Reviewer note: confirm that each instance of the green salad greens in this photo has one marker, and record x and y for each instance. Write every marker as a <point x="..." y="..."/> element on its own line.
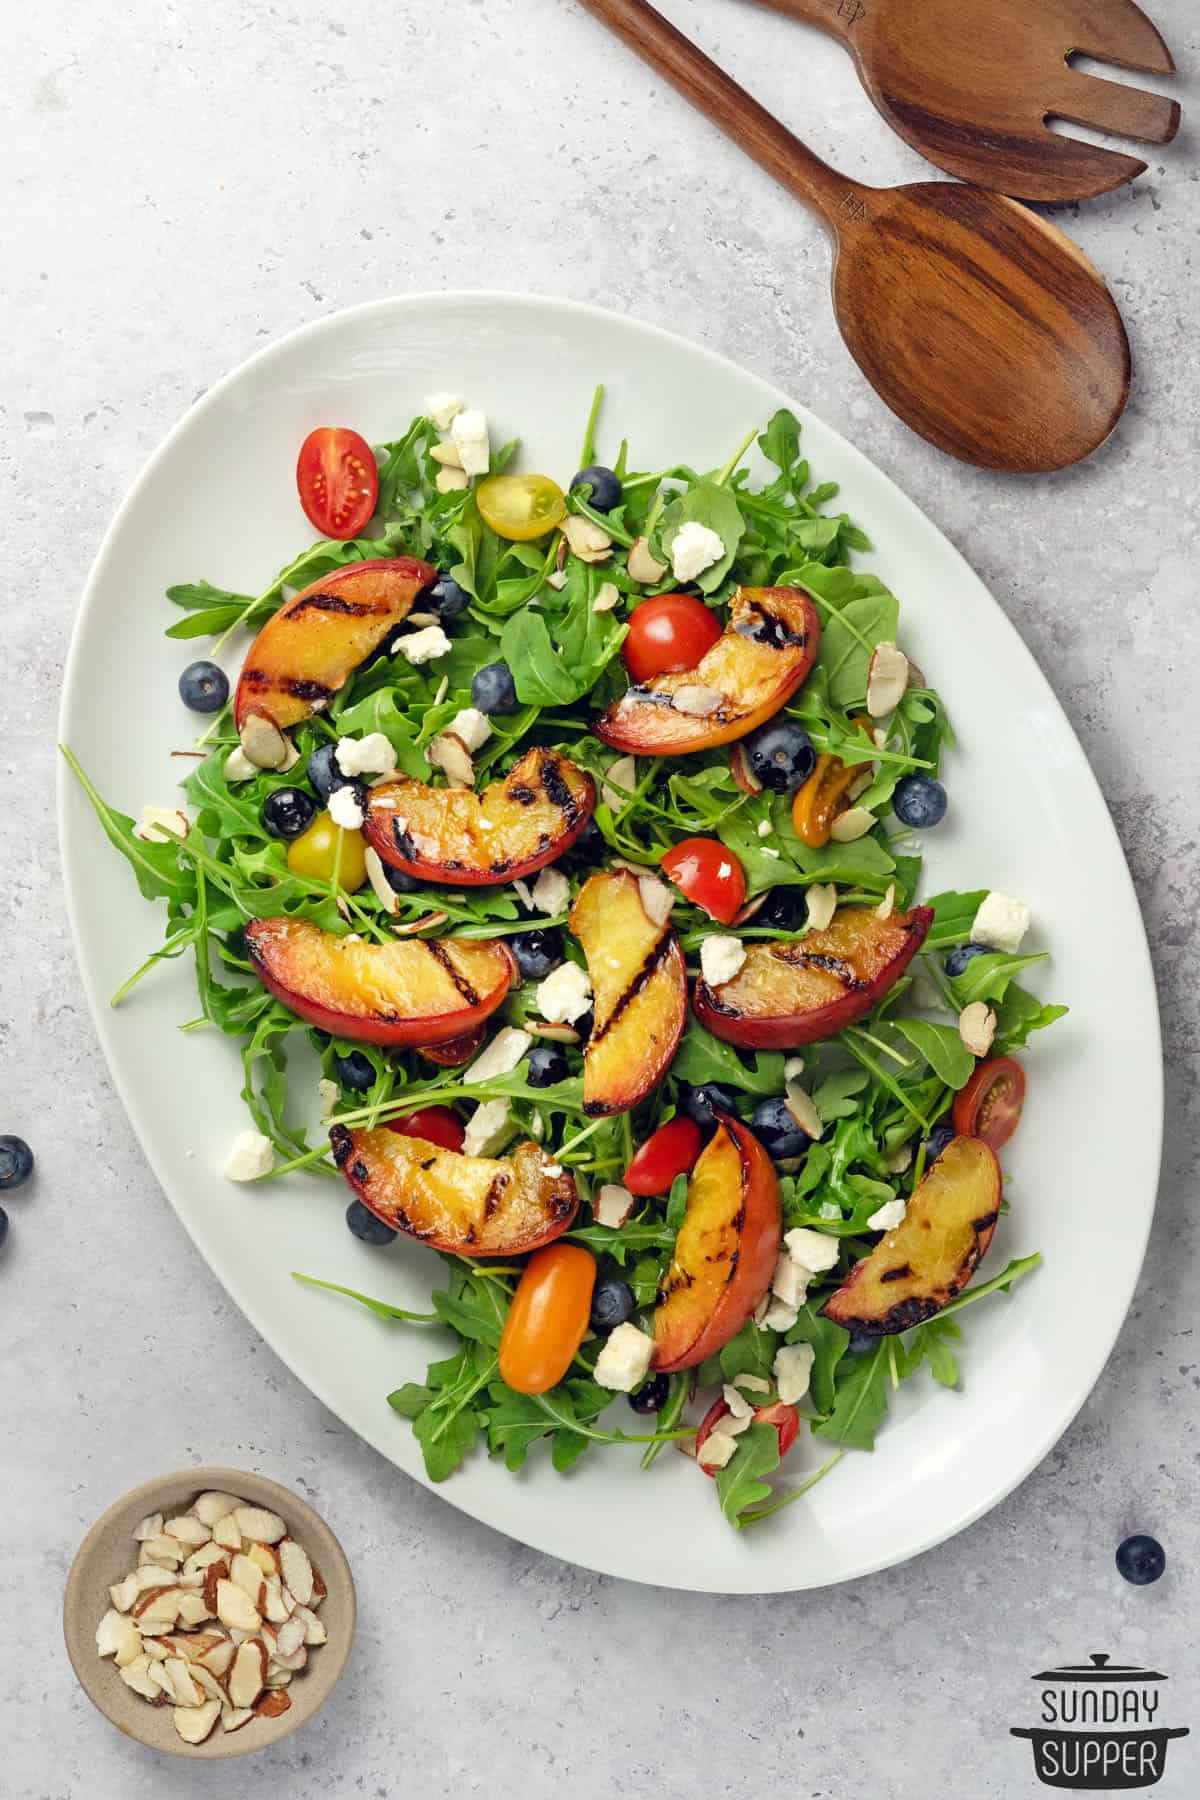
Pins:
<point x="880" y="1087"/>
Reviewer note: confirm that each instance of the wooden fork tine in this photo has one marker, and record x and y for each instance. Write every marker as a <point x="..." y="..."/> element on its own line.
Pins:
<point x="1111" y="106"/>
<point x="1117" y="32"/>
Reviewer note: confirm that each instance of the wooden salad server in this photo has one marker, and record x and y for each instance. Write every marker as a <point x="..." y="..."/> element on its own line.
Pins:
<point x="978" y="323"/>
<point x="971" y="84"/>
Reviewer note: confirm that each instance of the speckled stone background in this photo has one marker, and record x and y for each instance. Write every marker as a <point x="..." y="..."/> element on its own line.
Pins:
<point x="182" y="183"/>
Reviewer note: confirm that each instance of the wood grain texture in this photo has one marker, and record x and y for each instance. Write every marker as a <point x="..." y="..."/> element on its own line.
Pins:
<point x="977" y="322"/>
<point x="971" y="84"/>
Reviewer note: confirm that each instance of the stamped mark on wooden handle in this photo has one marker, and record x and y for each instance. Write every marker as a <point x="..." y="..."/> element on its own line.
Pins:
<point x="851" y="11"/>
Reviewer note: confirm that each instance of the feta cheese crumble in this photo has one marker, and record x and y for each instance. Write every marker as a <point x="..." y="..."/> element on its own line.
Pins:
<point x="500" y="1057"/>
<point x="565" y="995"/>
<point x="695" y="548"/>
<point x="720" y="958"/>
<point x="888" y="1216"/>
<point x="1001" y="923"/>
<point x="327" y="1094"/>
<point x="442" y="409"/>
<point x="813" y="1250"/>
<point x="370" y="755"/>
<point x="624" y="1362"/>
<point x="488" y="1129"/>
<point x="792" y="1370"/>
<point x="550" y="892"/>
<point x="422" y="646"/>
<point x="469" y="435"/>
<point x="250" y="1155"/>
<point x="344" y="809"/>
<point x="472" y="726"/>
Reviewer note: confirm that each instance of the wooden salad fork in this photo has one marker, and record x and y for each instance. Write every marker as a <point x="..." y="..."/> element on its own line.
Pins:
<point x="978" y="323"/>
<point x="971" y="84"/>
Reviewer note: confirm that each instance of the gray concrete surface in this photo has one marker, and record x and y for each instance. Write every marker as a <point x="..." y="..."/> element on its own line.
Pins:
<point x="182" y="183"/>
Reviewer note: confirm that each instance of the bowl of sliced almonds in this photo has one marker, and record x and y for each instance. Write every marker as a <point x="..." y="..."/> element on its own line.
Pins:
<point x="209" y="1613"/>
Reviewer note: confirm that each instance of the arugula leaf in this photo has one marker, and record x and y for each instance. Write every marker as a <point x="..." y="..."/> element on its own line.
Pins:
<point x="381" y="1308"/>
<point x="860" y="1399"/>
<point x="740" y="1484"/>
<point x="953" y="917"/>
<point x="702" y="1057"/>
<point x="988" y="977"/>
<point x="941" y="1047"/>
<point x="705" y="503"/>
<point x="1017" y="1015"/>
<point x="930" y="1344"/>
<point x="829" y="1343"/>
<point x="474" y="1306"/>
<point x="857" y="612"/>
<point x="158" y="868"/>
<point x="751" y="1352"/>
<point x="444" y="1412"/>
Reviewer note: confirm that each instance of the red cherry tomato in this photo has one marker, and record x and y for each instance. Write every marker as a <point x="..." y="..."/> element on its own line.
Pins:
<point x="338" y="480"/>
<point x="548" y="1317"/>
<point x="436" y="1124"/>
<point x="709" y="875"/>
<point x="666" y="1153"/>
<point x="668" y="633"/>
<point x="989" y="1107"/>
<point x="785" y="1419"/>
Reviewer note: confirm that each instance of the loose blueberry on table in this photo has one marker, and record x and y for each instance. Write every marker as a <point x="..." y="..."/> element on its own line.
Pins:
<point x="919" y="801"/>
<point x="365" y="1226"/>
<point x="16" y="1161"/>
<point x="1141" y="1559"/>
<point x="203" y="687"/>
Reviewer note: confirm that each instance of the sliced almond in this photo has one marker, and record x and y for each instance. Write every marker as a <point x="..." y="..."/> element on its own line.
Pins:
<point x="451" y="481"/>
<point x="319" y="1588"/>
<point x="193" y="1609"/>
<point x="862" y="781"/>
<point x="800" y="1104"/>
<point x="698" y="701"/>
<point x="188" y="1529"/>
<point x="820" y="904"/>
<point x="213" y="1505"/>
<point x="977" y="1027"/>
<point x="167" y="1552"/>
<point x="887" y="679"/>
<point x="214" y="1574"/>
<point x="446" y="454"/>
<point x="751" y="908"/>
<point x="204" y="1557"/>
<point x="643" y="566"/>
<point x="587" y="540"/>
<point x="218" y="1657"/>
<point x="887" y="904"/>
<point x="192" y="1645"/>
<point x="612" y="1205"/>
<point x="293" y="1663"/>
<point x="149" y="1527"/>
<point x="209" y="1683"/>
<point x="427" y="922"/>
<point x="743" y="774"/>
<point x="118" y="1636"/>
<point x="235" y="1608"/>
<point x="608" y="597"/>
<point x="249" y="1577"/>
<point x="157" y="1649"/>
<point x="272" y="1704"/>
<point x="263" y="743"/>
<point x="558" y="1034"/>
<point x="159" y="1679"/>
<point x="234" y="1717"/>
<point x="657" y="898"/>
<point x="159" y="1606"/>
<point x="266" y="1556"/>
<point x="137" y="1676"/>
<point x="278" y="1678"/>
<point x="152" y="1575"/>
<point x="619" y="783"/>
<point x="184" y="1686"/>
<point x="247" y="1673"/>
<point x="381" y="887"/>
<point x="854" y="823"/>
<point x="296" y="1570"/>
<point x="193" y="1723"/>
<point x="314" y="1631"/>
<point x="275" y="1607"/>
<point x="290" y="1638"/>
<point x="916" y="675"/>
<point x="227" y="1532"/>
<point x="124" y="1593"/>
<point x="448" y="752"/>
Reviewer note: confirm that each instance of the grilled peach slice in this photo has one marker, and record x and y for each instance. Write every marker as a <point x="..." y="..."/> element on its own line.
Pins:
<point x="916" y="1269"/>
<point x="726" y="1251"/>
<point x="465" y="1205"/>
<point x="789" y="994"/>
<point x="464" y="839"/>
<point x="308" y="649"/>
<point x="767" y="648"/>
<point x="639" y="989"/>
<point x="416" y="991"/>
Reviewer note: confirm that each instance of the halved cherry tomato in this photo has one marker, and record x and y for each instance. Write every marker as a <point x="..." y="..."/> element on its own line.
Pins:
<point x="709" y="875"/>
<point x="436" y="1124"/>
<point x="547" y="1318"/>
<point x="520" y="507"/>
<point x="785" y="1419"/>
<point x="338" y="480"/>
<point x="668" y="633"/>
<point x="666" y="1153"/>
<point x="989" y="1107"/>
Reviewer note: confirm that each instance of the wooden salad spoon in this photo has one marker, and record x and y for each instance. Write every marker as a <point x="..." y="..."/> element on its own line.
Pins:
<point x="971" y="84"/>
<point x="978" y="323"/>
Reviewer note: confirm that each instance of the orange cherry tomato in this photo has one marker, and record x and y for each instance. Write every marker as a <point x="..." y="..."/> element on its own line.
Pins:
<point x="338" y="481"/>
<point x="989" y="1107"/>
<point x="666" y="1153"/>
<point x="547" y="1318"/>
<point x="436" y="1124"/>
<point x="666" y="634"/>
<point x="709" y="875"/>
<point x="785" y="1419"/>
<point x="818" y="801"/>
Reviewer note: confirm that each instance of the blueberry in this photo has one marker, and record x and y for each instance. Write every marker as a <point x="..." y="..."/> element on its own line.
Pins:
<point x="937" y="1140"/>
<point x="781" y="755"/>
<point x="537" y="952"/>
<point x="861" y="1341"/>
<point x="589" y="845"/>
<point x="3" y="1226"/>
<point x="777" y="1131"/>
<point x="446" y="599"/>
<point x="493" y="689"/>
<point x="651" y="1397"/>
<point x="545" y="1065"/>
<point x="356" y="1071"/>
<point x="584" y="1024"/>
<point x="783" y="910"/>
<point x="612" y="1304"/>
<point x="606" y="487"/>
<point x="698" y="1102"/>
<point x="204" y="687"/>
<point x="962" y="954"/>
<point x="16" y="1162"/>
<point x="1141" y="1559"/>
<point x="399" y="880"/>
<point x="288" y="811"/>
<point x="365" y="1226"/>
<point x="323" y="771"/>
<point x="919" y="801"/>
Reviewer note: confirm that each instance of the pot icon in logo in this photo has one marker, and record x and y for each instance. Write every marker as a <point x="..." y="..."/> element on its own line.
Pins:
<point x="1099" y="1728"/>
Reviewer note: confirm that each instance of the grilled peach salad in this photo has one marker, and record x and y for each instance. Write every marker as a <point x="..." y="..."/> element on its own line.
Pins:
<point x="576" y="828"/>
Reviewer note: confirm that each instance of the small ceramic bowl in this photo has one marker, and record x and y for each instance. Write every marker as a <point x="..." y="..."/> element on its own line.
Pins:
<point x="108" y="1553"/>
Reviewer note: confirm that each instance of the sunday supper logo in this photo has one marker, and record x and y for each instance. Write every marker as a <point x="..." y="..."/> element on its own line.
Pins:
<point x="1100" y="1728"/>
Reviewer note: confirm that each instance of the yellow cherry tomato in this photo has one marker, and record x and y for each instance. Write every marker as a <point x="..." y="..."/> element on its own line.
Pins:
<point x="547" y="1318"/>
<point x="315" y="851"/>
<point x="520" y="507"/>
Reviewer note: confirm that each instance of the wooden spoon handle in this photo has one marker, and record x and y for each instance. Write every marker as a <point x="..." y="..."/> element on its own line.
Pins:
<point x="833" y="197"/>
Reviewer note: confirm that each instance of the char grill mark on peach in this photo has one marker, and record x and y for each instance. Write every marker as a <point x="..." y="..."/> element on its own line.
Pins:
<point x="441" y="955"/>
<point x="661" y="950"/>
<point x="334" y="603"/>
